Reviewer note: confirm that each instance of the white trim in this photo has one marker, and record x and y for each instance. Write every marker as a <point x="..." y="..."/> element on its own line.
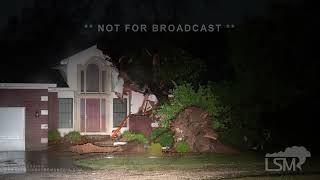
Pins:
<point x="44" y="126"/>
<point x="44" y="98"/>
<point x="26" y="86"/>
<point x="44" y="112"/>
<point x="93" y="49"/>
<point x="94" y="133"/>
<point x="44" y="140"/>
<point x="57" y="89"/>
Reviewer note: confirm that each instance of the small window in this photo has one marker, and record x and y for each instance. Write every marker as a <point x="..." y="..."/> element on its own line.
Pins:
<point x="119" y="111"/>
<point x="92" y="78"/>
<point x="82" y="107"/>
<point x="65" y="113"/>
<point x="103" y="83"/>
<point x="82" y="81"/>
<point x="103" y="107"/>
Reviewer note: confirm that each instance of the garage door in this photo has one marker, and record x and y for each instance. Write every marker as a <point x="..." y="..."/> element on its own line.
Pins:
<point x="12" y="123"/>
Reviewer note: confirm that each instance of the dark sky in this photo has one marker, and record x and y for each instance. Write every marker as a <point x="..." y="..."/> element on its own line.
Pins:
<point x="215" y="10"/>
<point x="56" y="41"/>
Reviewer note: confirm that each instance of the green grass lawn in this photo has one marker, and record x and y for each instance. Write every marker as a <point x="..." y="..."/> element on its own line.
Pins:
<point x="250" y="164"/>
<point x="204" y="161"/>
<point x="212" y="160"/>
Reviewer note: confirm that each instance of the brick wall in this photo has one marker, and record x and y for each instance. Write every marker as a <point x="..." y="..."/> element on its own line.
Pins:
<point x="140" y="124"/>
<point x="53" y="110"/>
<point x="31" y="100"/>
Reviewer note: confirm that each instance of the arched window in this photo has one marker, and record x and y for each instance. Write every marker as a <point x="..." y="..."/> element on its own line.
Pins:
<point x="92" y="78"/>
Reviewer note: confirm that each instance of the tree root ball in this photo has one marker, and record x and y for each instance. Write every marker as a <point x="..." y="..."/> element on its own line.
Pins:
<point x="194" y="126"/>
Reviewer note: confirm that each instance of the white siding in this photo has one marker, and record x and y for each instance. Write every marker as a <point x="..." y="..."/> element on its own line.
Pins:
<point x="80" y="58"/>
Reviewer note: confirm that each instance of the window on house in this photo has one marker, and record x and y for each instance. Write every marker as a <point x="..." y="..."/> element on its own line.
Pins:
<point x="103" y="79"/>
<point x="82" y="81"/>
<point x="103" y="115"/>
<point x="65" y="113"/>
<point x="92" y="78"/>
<point x="119" y="111"/>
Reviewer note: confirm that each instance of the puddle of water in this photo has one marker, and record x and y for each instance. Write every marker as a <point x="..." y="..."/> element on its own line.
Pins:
<point x="22" y="162"/>
<point x="49" y="159"/>
<point x="12" y="162"/>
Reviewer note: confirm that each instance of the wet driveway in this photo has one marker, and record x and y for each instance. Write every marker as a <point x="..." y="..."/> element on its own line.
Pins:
<point x="28" y="161"/>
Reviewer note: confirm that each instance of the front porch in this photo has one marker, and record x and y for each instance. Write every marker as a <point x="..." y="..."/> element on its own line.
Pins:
<point x="100" y="114"/>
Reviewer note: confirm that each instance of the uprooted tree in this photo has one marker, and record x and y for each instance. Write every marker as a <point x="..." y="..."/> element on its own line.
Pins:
<point x="186" y="96"/>
<point x="193" y="116"/>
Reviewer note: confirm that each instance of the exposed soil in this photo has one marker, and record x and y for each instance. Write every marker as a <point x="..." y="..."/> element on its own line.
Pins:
<point x="194" y="126"/>
<point x="107" y="147"/>
<point x="90" y="148"/>
<point x="106" y="143"/>
<point x="84" y="140"/>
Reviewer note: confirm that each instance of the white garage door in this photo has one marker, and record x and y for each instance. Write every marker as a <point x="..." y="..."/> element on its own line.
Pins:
<point x="12" y="123"/>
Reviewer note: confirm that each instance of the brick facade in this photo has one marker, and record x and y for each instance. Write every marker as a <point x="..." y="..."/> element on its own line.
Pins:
<point x="31" y="100"/>
<point x="53" y="110"/>
<point x="140" y="124"/>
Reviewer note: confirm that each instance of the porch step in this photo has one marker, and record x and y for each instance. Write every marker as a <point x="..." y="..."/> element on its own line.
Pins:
<point x="97" y="138"/>
<point x="106" y="143"/>
<point x="109" y="143"/>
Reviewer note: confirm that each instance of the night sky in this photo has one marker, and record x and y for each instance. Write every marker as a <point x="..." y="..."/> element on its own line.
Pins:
<point x="216" y="11"/>
<point x="45" y="32"/>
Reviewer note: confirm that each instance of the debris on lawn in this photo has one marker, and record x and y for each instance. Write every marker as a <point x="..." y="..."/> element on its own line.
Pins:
<point x="90" y="148"/>
<point x="194" y="126"/>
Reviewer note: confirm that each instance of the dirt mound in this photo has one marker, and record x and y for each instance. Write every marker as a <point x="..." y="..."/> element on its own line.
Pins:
<point x="90" y="148"/>
<point x="194" y="126"/>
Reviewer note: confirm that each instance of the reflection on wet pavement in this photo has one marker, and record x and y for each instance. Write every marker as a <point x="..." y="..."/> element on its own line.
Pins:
<point x="49" y="160"/>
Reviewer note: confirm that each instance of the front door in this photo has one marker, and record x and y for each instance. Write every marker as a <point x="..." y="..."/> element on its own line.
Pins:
<point x="93" y="122"/>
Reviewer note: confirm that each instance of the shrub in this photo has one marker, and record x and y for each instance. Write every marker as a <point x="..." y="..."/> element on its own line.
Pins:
<point x="54" y="135"/>
<point x="130" y="136"/>
<point x="155" y="149"/>
<point x="156" y="132"/>
<point x="72" y="137"/>
<point x="162" y="136"/>
<point x="182" y="147"/>
<point x="186" y="96"/>
<point x="166" y="139"/>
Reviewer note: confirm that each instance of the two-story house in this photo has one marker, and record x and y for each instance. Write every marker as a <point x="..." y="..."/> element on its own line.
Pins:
<point x="89" y="104"/>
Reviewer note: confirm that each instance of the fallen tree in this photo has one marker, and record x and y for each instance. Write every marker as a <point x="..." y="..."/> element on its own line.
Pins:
<point x="194" y="126"/>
